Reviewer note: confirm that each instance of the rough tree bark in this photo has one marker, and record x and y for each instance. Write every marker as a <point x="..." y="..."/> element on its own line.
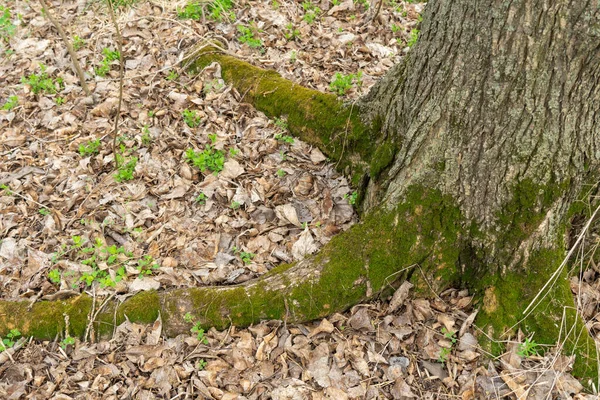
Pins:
<point x="471" y="157"/>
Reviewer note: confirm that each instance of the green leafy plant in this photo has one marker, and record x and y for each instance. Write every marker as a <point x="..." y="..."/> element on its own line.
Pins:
<point x="281" y="173"/>
<point x="7" y="28"/>
<point x="311" y="12"/>
<point x="293" y="56"/>
<point x="40" y="83"/>
<point x="275" y="4"/>
<point x="213" y="85"/>
<point x="291" y="33"/>
<point x="173" y="75"/>
<point x="233" y="152"/>
<point x="201" y="364"/>
<point x="284" y="138"/>
<point x="78" y="42"/>
<point x="146" y="266"/>
<point x="60" y="100"/>
<point x="342" y="83"/>
<point x="364" y="3"/>
<point x="528" y="348"/>
<point x="11" y="103"/>
<point x="191" y="118"/>
<point x="192" y="10"/>
<point x="54" y="276"/>
<point x="68" y="341"/>
<point x="450" y="335"/>
<point x="9" y="340"/>
<point x="245" y="256"/>
<point x="444" y="353"/>
<point x="151" y="114"/>
<point x="5" y="189"/>
<point x="89" y="148"/>
<point x="109" y="57"/>
<point x="201" y="199"/>
<point x="247" y="36"/>
<point x="208" y="159"/>
<point x="146" y="138"/>
<point x="126" y="168"/>
<point x="44" y="211"/>
<point x="351" y="198"/>
<point x="234" y="205"/>
<point x="196" y="329"/>
<point x="281" y="123"/>
<point x="396" y="28"/>
<point x="221" y="10"/>
<point x="412" y="39"/>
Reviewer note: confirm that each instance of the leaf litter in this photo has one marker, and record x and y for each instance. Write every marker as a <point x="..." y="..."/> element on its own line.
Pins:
<point x="246" y="198"/>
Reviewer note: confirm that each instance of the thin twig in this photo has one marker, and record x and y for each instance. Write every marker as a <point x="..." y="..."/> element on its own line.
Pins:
<point x="63" y="35"/>
<point x="121" y="78"/>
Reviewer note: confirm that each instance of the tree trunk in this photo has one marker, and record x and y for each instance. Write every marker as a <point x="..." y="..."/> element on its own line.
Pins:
<point x="471" y="157"/>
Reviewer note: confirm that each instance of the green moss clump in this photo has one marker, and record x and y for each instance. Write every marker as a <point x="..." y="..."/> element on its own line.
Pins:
<point x="383" y="157"/>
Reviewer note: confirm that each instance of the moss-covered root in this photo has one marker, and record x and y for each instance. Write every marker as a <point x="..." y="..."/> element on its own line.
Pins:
<point x="353" y="267"/>
<point x="315" y="117"/>
<point x="554" y="320"/>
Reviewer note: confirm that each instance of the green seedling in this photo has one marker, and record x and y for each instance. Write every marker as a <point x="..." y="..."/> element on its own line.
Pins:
<point x="281" y="123"/>
<point x="60" y="100"/>
<point x="7" y="28"/>
<point x="68" y="341"/>
<point x="342" y="83"/>
<point x="192" y="10"/>
<point x="414" y="36"/>
<point x="444" y="353"/>
<point x="291" y="33"/>
<point x="151" y="114"/>
<point x="78" y="43"/>
<point x="528" y="348"/>
<point x="209" y="159"/>
<point x="212" y="137"/>
<point x="221" y="10"/>
<point x="201" y="364"/>
<point x="146" y="266"/>
<point x="9" y="340"/>
<point x="196" y="329"/>
<point x="54" y="276"/>
<point x="173" y="76"/>
<point x="245" y="256"/>
<point x="191" y="118"/>
<point x="351" y="198"/>
<point x="450" y="335"/>
<point x="11" y="103"/>
<point x="146" y="138"/>
<point x="109" y="57"/>
<point x="275" y="5"/>
<point x="44" y="211"/>
<point x="89" y="148"/>
<point x="281" y="173"/>
<point x="311" y="12"/>
<point x="293" y="57"/>
<point x="284" y="138"/>
<point x="213" y="85"/>
<point x="234" y="205"/>
<point x="233" y="152"/>
<point x="201" y="199"/>
<point x="5" y="189"/>
<point x="364" y="3"/>
<point x="126" y="168"/>
<point x="247" y="36"/>
<point x="40" y="83"/>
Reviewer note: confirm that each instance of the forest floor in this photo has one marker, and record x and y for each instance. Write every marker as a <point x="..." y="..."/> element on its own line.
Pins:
<point x="211" y="192"/>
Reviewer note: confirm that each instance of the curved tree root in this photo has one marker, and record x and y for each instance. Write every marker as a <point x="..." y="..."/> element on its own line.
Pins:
<point x="317" y="118"/>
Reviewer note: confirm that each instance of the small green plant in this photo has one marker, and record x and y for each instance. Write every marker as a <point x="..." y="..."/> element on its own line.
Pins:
<point x="54" y="276"/>
<point x="234" y="205"/>
<point x="173" y="76"/>
<point x="335" y="2"/>
<point x="351" y="198"/>
<point x="7" y="28"/>
<point x="40" y="83"/>
<point x="213" y="85"/>
<point x="247" y="36"/>
<point x="44" y="211"/>
<point x="293" y="56"/>
<point x="412" y="39"/>
<point x="220" y="10"/>
<point x="281" y="123"/>
<point x="201" y="364"/>
<point x="146" y="138"/>
<point x="342" y="83"/>
<point x="78" y="43"/>
<point x="291" y="33"/>
<point x="528" y="348"/>
<point x="5" y="189"/>
<point x="212" y="137"/>
<point x="281" y="173"/>
<point x="282" y="155"/>
<point x="192" y="10"/>
<point x="450" y="335"/>
<point x="201" y="199"/>
<point x="284" y="138"/>
<point x="109" y="57"/>
<point x="60" y="100"/>
<point x="146" y="266"/>
<point x="444" y="353"/>
<point x="396" y="28"/>
<point x="196" y="329"/>
<point x="208" y="159"/>
<point x="89" y="148"/>
<point x="233" y="152"/>
<point x="9" y="340"/>
<point x="151" y="114"/>
<point x="126" y="168"/>
<point x="191" y="118"/>
<point x="364" y="3"/>
<point x="311" y="12"/>
<point x="275" y="4"/>
<point x="11" y="103"/>
<point x="245" y="256"/>
<point x="68" y="341"/>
